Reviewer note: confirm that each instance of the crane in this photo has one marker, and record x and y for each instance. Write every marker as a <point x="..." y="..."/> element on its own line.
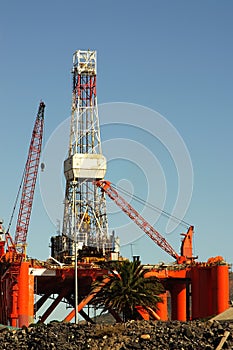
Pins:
<point x="17" y="246"/>
<point x="12" y="309"/>
<point x="31" y="171"/>
<point x="186" y="247"/>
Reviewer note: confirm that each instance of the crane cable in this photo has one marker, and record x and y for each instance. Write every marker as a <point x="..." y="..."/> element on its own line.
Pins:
<point x="16" y="201"/>
<point x="151" y="206"/>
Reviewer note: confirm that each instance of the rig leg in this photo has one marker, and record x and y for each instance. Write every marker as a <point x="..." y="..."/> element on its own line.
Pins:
<point x="178" y="301"/>
<point x="162" y="308"/>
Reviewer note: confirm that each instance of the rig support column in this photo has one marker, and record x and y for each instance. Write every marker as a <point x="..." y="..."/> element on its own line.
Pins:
<point x="162" y="307"/>
<point x="25" y="296"/>
<point x="222" y="288"/>
<point x="178" y="301"/>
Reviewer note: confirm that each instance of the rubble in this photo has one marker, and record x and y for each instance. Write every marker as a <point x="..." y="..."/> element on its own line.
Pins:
<point x="172" y="335"/>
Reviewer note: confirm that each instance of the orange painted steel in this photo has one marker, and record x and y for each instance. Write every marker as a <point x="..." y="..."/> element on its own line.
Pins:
<point x="195" y="293"/>
<point x="169" y="273"/>
<point x="31" y="299"/>
<point x="204" y="289"/>
<point x="147" y="313"/>
<point x="86" y="300"/>
<point x="209" y="290"/>
<point x="186" y="250"/>
<point x="143" y="313"/>
<point x="222" y="288"/>
<point x="25" y="296"/>
<point x="162" y="308"/>
<point x="13" y="303"/>
<point x="178" y="301"/>
<point x="154" y="315"/>
<point x="174" y="279"/>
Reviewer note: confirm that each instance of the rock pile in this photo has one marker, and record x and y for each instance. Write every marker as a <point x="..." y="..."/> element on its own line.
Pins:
<point x="145" y="335"/>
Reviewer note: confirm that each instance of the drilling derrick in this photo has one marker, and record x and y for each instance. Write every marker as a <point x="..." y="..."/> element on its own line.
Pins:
<point x="85" y="219"/>
<point x="29" y="286"/>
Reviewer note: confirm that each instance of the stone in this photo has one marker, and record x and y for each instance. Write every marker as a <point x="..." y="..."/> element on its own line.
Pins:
<point x="145" y="336"/>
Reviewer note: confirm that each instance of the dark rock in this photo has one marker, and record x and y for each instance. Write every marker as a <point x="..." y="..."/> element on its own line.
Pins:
<point x="143" y="335"/>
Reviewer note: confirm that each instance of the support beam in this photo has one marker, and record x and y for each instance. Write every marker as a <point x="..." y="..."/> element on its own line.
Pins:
<point x="54" y="305"/>
<point x="143" y="312"/>
<point x="41" y="302"/>
<point x="115" y="315"/>
<point x="85" y="316"/>
<point x="86" y="300"/>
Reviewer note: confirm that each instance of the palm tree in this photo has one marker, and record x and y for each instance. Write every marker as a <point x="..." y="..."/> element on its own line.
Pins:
<point x="126" y="287"/>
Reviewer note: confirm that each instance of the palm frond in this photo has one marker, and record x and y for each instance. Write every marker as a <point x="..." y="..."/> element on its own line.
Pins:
<point x="127" y="288"/>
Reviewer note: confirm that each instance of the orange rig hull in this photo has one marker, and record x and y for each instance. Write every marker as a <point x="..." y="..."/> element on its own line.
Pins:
<point x="197" y="291"/>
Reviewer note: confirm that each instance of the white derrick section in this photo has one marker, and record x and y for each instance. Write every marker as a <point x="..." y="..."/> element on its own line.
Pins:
<point x="85" y="166"/>
<point x="85" y="62"/>
<point x="85" y="162"/>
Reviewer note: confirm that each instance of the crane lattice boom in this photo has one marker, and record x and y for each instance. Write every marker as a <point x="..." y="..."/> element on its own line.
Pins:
<point x="137" y="218"/>
<point x="30" y="175"/>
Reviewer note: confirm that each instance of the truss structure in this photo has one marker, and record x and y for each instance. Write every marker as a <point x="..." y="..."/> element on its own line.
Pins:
<point x="85" y="219"/>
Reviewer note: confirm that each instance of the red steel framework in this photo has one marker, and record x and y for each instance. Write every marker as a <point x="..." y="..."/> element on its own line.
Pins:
<point x="147" y="228"/>
<point x="31" y="170"/>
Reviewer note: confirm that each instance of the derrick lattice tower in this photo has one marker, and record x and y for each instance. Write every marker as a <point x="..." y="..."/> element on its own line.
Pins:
<point x="85" y="219"/>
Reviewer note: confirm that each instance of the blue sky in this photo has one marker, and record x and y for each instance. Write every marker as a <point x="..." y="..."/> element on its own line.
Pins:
<point x="174" y="57"/>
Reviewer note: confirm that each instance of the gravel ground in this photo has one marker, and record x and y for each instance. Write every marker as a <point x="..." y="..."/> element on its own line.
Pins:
<point x="131" y="335"/>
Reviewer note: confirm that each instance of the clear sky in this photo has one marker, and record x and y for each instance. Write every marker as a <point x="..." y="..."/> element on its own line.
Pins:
<point x="174" y="57"/>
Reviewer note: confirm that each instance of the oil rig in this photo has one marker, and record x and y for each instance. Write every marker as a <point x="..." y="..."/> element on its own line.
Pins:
<point x="194" y="289"/>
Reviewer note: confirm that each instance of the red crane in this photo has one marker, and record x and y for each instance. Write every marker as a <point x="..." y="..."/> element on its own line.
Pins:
<point x="31" y="170"/>
<point x="13" y="297"/>
<point x="17" y="247"/>
<point x="186" y="247"/>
